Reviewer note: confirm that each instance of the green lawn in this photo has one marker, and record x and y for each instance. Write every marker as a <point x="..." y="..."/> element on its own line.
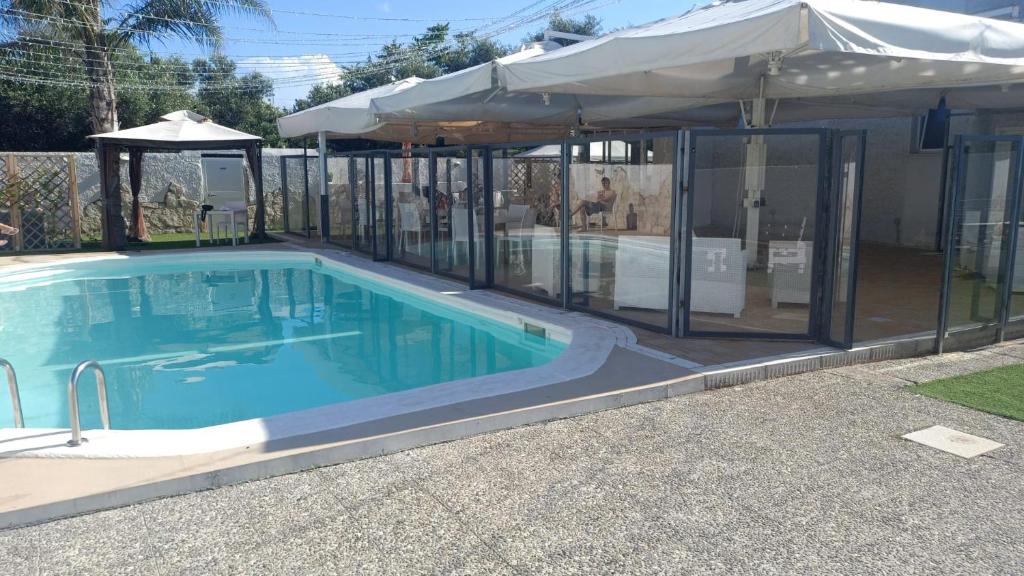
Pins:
<point x="999" y="391"/>
<point x="181" y="240"/>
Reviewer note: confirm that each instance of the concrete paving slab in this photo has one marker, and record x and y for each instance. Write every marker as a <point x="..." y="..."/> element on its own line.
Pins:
<point x="953" y="441"/>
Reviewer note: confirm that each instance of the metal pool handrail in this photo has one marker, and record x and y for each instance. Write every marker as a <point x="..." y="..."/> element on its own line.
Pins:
<point x="12" y="385"/>
<point x="101" y="392"/>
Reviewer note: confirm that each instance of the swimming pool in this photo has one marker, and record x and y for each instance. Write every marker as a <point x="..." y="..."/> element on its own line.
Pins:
<point x="198" y="340"/>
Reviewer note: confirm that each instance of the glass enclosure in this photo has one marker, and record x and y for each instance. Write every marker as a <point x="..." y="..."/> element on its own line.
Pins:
<point x="620" y="193"/>
<point x="410" y="210"/>
<point x="379" y="169"/>
<point x="848" y="170"/>
<point x="479" y="184"/>
<point x="773" y="244"/>
<point x="451" y="212"/>
<point x="753" y="213"/>
<point x="978" y="259"/>
<point x="526" y="189"/>
<point x="339" y="199"/>
<point x="361" y="214"/>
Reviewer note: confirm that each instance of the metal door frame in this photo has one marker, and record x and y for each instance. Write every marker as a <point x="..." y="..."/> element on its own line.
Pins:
<point x="832" y="257"/>
<point x="820" y="227"/>
<point x="1007" y="259"/>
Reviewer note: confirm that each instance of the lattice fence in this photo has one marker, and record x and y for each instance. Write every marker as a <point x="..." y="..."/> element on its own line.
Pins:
<point x="39" y="196"/>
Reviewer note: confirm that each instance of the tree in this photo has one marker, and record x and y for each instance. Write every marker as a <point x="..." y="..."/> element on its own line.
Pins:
<point x="81" y="28"/>
<point x="241" y="102"/>
<point x="429" y="55"/>
<point x="589" y="25"/>
<point x="55" y="116"/>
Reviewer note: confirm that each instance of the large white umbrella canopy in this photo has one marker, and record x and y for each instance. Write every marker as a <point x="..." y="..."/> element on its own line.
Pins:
<point x="476" y="94"/>
<point x="777" y="49"/>
<point x="349" y="116"/>
<point x="353" y="117"/>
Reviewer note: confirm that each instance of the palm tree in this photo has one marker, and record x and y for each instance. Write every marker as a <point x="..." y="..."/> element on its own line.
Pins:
<point x="80" y="28"/>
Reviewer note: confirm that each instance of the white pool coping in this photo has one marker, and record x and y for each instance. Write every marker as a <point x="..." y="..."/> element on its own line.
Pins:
<point x="589" y="342"/>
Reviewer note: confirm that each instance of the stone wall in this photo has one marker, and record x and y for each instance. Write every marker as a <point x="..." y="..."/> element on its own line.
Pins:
<point x="172" y="188"/>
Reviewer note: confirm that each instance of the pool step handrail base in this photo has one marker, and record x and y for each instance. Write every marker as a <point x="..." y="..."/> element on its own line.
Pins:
<point x="101" y="392"/>
<point x="12" y="385"/>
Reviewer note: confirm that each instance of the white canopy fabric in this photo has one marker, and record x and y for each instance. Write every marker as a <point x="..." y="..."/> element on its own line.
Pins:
<point x="476" y="94"/>
<point x="353" y="117"/>
<point x="345" y="117"/>
<point x="802" y="49"/>
<point x="434" y="98"/>
<point x="178" y="130"/>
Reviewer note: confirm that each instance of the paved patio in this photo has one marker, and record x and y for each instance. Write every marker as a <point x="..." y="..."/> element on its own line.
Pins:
<point x="805" y="474"/>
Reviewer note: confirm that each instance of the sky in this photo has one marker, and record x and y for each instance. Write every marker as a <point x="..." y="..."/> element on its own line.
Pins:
<point x="313" y="38"/>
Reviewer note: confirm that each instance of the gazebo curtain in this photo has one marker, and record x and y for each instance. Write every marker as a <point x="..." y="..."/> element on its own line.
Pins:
<point x="137" y="230"/>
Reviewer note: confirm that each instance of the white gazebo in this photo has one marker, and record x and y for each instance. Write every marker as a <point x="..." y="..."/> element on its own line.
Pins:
<point x="180" y="130"/>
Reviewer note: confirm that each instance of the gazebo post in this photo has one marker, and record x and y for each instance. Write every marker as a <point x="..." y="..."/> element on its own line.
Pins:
<point x="254" y="153"/>
<point x="110" y="189"/>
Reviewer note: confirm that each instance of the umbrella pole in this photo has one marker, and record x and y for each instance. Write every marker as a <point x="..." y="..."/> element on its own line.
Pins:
<point x="754" y="174"/>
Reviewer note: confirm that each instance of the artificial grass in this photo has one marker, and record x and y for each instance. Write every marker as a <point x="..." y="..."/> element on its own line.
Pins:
<point x="999" y="391"/>
<point x="186" y="240"/>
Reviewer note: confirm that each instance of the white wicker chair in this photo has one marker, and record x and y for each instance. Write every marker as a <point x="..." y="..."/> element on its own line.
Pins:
<point x="789" y="267"/>
<point x="642" y="272"/>
<point x="718" y="276"/>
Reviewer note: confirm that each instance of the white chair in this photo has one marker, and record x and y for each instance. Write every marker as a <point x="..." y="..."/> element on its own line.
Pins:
<point x="411" y="222"/>
<point x="789" y="268"/>
<point x="363" y="221"/>
<point x="642" y="272"/>
<point x="460" y="232"/>
<point x="521" y="220"/>
<point x="602" y="215"/>
<point x="718" y="276"/>
<point x="545" y="260"/>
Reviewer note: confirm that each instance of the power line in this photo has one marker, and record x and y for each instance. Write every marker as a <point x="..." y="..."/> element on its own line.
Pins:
<point x="16" y="72"/>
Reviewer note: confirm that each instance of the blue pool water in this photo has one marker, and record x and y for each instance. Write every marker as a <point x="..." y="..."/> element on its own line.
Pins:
<point x="186" y="344"/>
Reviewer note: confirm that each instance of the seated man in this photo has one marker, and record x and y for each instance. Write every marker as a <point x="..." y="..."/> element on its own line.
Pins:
<point x="604" y="203"/>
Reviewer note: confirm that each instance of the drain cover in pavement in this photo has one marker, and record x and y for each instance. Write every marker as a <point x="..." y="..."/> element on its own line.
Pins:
<point x="952" y="441"/>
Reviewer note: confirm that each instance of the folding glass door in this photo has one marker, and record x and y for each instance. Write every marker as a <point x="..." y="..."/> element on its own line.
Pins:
<point x="980" y="286"/>
<point x="410" y="208"/>
<point x="843" y="213"/>
<point x="451" y="211"/>
<point x="620" y="216"/>
<point x="340" y="174"/>
<point x="300" y="185"/>
<point x="755" y="233"/>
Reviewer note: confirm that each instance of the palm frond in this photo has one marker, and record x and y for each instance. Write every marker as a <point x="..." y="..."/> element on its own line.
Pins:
<point x="195" y="21"/>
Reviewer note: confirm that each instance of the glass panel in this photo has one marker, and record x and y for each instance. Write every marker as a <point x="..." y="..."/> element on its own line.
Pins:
<point x="313" y="190"/>
<point x="621" y="228"/>
<point x="361" y="215"/>
<point x="527" y="202"/>
<point x="339" y="201"/>
<point x="980" y="233"/>
<point x="411" y="192"/>
<point x="479" y="219"/>
<point x="451" y="210"/>
<point x="296" y="195"/>
<point x="380" y="202"/>
<point x="848" y="196"/>
<point x="754" y="207"/>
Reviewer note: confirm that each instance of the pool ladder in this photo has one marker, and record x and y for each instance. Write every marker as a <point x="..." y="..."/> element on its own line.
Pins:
<point x="76" y="424"/>
<point x="101" y="393"/>
<point x="12" y="385"/>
